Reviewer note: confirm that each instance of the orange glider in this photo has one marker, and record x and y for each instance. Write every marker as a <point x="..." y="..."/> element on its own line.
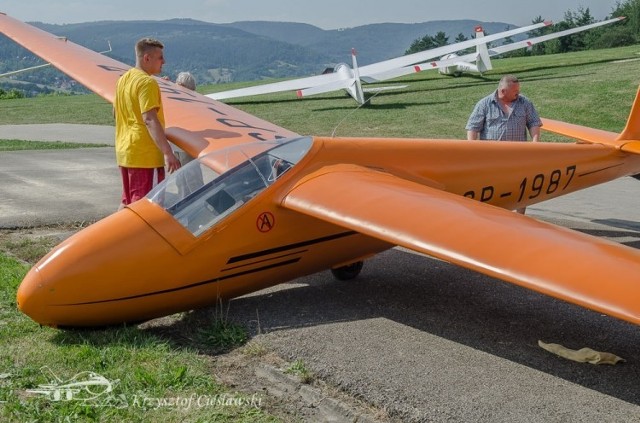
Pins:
<point x="262" y="205"/>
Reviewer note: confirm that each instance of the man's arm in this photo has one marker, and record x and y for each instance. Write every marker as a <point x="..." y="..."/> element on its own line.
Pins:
<point x="476" y="120"/>
<point x="533" y="121"/>
<point x="535" y="133"/>
<point x="156" y="131"/>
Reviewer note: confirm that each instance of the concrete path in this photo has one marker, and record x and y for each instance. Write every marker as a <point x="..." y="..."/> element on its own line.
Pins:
<point x="92" y="134"/>
<point x="48" y="187"/>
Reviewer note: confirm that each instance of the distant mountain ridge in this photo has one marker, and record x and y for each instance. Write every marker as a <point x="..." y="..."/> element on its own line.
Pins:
<point x="374" y="42"/>
<point x="240" y="51"/>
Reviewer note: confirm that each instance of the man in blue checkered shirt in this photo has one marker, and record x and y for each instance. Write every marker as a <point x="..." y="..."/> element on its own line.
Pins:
<point x="504" y="115"/>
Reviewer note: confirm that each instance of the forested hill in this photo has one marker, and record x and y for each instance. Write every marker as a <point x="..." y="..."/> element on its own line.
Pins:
<point x="373" y="42"/>
<point x="241" y="51"/>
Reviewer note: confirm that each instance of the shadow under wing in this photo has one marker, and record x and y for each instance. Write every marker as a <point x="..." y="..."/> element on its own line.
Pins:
<point x="592" y="272"/>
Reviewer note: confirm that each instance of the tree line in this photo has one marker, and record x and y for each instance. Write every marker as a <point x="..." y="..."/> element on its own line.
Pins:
<point x="624" y="33"/>
<point x="10" y="94"/>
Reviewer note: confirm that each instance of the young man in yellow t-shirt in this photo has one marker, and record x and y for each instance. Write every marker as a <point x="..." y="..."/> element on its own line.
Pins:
<point x="142" y="149"/>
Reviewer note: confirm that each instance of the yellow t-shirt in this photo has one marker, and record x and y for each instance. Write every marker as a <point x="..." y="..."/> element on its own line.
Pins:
<point x="136" y="93"/>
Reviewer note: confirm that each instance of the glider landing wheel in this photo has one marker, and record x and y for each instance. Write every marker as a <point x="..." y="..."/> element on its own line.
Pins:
<point x="350" y="271"/>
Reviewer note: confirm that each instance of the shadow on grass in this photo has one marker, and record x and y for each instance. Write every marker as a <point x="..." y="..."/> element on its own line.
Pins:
<point x="417" y="84"/>
<point x="204" y="330"/>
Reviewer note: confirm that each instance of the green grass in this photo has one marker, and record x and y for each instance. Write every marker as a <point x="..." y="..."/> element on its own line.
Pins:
<point x="588" y="88"/>
<point x="152" y="377"/>
<point x="300" y="370"/>
<point x="15" y="145"/>
<point x="87" y="109"/>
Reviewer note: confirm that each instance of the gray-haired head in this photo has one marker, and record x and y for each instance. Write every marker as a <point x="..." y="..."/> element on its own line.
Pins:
<point x="507" y="81"/>
<point x="186" y="80"/>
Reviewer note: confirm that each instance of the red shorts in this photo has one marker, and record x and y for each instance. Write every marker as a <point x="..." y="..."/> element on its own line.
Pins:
<point x="137" y="182"/>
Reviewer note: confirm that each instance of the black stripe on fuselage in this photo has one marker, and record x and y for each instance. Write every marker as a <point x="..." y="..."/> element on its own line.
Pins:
<point x="281" y="256"/>
<point x="193" y="285"/>
<point x="237" y="274"/>
<point x="601" y="169"/>
<point x="282" y="248"/>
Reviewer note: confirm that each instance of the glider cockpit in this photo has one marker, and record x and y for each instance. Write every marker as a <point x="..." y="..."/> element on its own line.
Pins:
<point x="208" y="189"/>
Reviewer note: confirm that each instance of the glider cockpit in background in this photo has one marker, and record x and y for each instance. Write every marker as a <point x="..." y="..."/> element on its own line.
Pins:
<point x="480" y="61"/>
<point x="351" y="78"/>
<point x="261" y="205"/>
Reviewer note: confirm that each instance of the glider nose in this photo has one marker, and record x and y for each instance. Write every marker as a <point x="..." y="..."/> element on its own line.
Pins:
<point x="100" y="275"/>
<point x="28" y="301"/>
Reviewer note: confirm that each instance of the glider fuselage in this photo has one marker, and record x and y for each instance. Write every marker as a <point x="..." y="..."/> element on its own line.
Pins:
<point x="163" y="255"/>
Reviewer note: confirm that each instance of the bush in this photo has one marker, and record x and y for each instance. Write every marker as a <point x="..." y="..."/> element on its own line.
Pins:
<point x="11" y="94"/>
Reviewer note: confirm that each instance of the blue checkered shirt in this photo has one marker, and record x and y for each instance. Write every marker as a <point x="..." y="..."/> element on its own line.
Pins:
<point x="493" y="123"/>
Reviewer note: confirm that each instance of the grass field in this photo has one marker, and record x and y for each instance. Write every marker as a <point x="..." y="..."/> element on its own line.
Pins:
<point x="593" y="88"/>
<point x="150" y="377"/>
<point x="153" y="376"/>
<point x="15" y="145"/>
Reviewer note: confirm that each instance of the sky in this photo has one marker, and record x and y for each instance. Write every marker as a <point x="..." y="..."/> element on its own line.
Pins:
<point x="326" y="14"/>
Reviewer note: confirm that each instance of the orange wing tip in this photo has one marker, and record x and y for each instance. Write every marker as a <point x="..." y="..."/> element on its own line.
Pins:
<point x="631" y="147"/>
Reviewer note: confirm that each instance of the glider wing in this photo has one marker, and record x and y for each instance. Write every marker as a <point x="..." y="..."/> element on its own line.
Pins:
<point x="193" y="121"/>
<point x="532" y="41"/>
<point x="505" y="48"/>
<point x="578" y="268"/>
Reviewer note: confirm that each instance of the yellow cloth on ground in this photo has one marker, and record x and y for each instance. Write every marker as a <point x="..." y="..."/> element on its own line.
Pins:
<point x="583" y="355"/>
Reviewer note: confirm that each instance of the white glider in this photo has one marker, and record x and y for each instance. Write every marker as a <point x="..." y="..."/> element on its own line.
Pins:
<point x="350" y="79"/>
<point x="452" y="64"/>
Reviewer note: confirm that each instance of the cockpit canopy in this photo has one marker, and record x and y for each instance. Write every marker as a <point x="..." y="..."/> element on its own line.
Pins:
<point x="211" y="187"/>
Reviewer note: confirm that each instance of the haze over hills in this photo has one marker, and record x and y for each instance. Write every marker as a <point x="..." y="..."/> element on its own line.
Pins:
<point x="373" y="42"/>
<point x="240" y="51"/>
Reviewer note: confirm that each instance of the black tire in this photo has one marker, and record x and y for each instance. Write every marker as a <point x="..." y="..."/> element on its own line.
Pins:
<point x="348" y="272"/>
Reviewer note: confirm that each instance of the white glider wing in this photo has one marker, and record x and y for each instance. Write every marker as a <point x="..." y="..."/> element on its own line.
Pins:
<point x="531" y="41"/>
<point x="495" y="51"/>
<point x="344" y="76"/>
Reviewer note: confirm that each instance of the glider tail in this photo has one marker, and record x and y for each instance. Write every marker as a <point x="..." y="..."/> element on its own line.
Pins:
<point x="631" y="131"/>
<point x="483" y="62"/>
<point x="628" y="140"/>
<point x="356" y="89"/>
